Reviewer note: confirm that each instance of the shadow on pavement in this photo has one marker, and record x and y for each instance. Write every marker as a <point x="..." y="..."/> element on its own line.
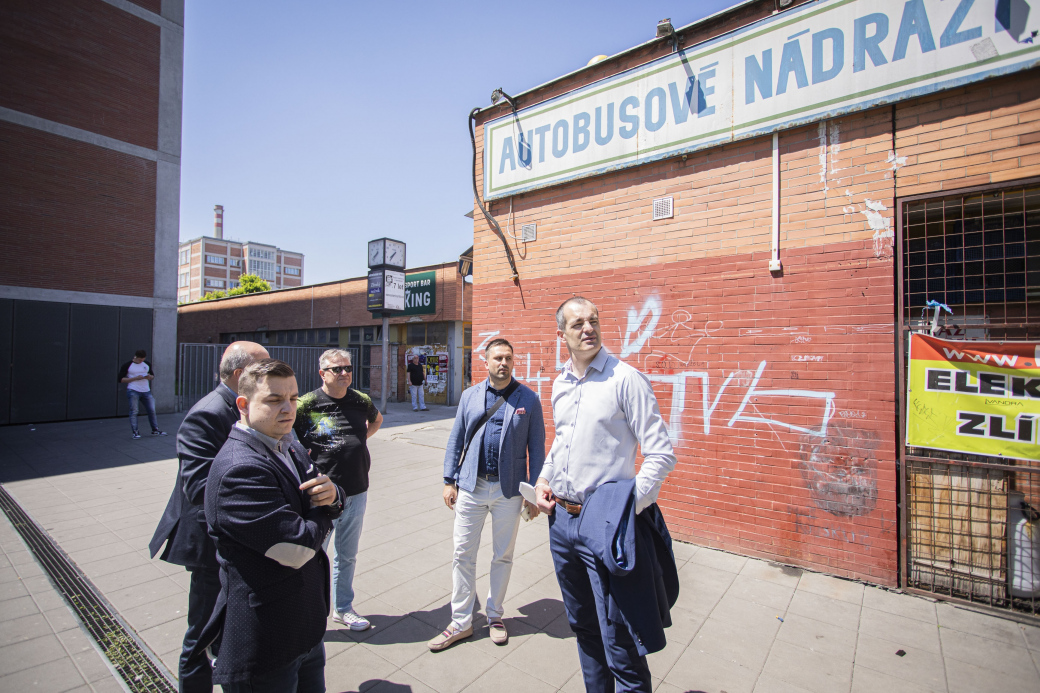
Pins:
<point x="32" y="452"/>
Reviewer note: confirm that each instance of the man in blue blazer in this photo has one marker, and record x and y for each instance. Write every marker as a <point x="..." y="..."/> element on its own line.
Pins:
<point x="498" y="448"/>
<point x="183" y="525"/>
<point x="269" y="512"/>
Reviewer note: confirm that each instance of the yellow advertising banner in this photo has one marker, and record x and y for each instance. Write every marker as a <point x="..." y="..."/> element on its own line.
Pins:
<point x="981" y="398"/>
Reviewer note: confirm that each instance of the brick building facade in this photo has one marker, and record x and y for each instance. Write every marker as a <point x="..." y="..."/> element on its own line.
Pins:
<point x="90" y="137"/>
<point x="781" y="389"/>
<point x="335" y="314"/>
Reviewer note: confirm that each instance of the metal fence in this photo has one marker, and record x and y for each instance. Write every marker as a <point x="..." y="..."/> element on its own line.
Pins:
<point x="198" y="366"/>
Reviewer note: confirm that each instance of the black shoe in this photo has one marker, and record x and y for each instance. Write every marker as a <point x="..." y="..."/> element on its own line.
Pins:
<point x="158" y="433"/>
<point x="136" y="435"/>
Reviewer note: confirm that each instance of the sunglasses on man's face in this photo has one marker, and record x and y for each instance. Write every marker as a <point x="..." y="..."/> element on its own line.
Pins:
<point x="340" y="369"/>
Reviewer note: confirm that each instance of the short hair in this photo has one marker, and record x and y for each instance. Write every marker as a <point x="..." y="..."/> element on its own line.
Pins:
<point x="330" y="354"/>
<point x="560" y="322"/>
<point x="140" y="354"/>
<point x="260" y="370"/>
<point x="236" y="358"/>
<point x="497" y="342"/>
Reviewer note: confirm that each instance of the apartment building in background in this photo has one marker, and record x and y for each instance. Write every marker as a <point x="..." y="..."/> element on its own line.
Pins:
<point x="214" y="263"/>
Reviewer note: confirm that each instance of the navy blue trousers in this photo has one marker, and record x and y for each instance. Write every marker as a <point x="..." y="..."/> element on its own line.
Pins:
<point x="305" y="675"/>
<point x="195" y="675"/>
<point x="605" y="645"/>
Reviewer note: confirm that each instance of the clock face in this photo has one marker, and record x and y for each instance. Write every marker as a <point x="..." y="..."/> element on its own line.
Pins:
<point x="375" y="253"/>
<point x="395" y="253"/>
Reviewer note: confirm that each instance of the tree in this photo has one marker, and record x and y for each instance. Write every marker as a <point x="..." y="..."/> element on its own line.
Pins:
<point x="248" y="284"/>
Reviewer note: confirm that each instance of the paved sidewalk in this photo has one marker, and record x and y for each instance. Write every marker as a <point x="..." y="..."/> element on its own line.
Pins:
<point x="42" y="646"/>
<point x="740" y="624"/>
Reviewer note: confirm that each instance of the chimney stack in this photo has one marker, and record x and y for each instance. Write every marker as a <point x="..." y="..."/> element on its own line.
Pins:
<point x="218" y="221"/>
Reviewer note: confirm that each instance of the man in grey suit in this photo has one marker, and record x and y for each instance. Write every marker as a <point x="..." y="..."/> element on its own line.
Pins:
<point x="203" y="431"/>
<point x="500" y="444"/>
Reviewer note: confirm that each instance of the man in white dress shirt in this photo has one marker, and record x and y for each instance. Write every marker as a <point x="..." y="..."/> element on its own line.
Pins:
<point x="605" y="412"/>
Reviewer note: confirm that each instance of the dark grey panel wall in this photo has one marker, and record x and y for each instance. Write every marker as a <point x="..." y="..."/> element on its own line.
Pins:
<point x="135" y="332"/>
<point x="39" y="378"/>
<point x="93" y="361"/>
<point x="6" y="316"/>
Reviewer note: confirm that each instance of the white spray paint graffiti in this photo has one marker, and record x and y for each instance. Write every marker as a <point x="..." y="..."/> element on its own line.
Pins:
<point x="897" y="162"/>
<point x="488" y="336"/>
<point x="651" y="308"/>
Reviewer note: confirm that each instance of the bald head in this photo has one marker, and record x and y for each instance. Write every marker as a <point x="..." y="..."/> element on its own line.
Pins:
<point x="237" y="356"/>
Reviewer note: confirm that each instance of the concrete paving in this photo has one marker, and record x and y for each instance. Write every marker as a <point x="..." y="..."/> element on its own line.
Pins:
<point x="740" y="625"/>
<point x="42" y="645"/>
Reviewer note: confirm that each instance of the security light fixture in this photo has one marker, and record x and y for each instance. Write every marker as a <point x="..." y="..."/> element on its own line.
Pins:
<point x="497" y="95"/>
<point x="666" y="30"/>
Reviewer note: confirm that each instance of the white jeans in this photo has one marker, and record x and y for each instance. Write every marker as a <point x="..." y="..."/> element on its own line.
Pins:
<point x="470" y="511"/>
<point x="418" y="401"/>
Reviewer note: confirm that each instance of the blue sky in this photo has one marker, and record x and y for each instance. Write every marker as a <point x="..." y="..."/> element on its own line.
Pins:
<point x="321" y="125"/>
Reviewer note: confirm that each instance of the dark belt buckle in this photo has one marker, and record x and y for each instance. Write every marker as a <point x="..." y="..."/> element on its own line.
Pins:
<point x="571" y="508"/>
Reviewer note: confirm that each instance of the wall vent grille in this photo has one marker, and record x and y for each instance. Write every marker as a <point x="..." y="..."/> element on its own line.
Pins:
<point x="528" y="232"/>
<point x="663" y="208"/>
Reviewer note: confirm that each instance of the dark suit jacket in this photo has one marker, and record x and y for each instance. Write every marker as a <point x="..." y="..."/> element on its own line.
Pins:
<point x="199" y="439"/>
<point x="636" y="551"/>
<point x="274" y="575"/>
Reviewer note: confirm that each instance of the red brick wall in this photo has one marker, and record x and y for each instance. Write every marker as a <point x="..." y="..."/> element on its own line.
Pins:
<point x="689" y="300"/>
<point x="977" y="135"/>
<point x="94" y="207"/>
<point x="89" y="65"/>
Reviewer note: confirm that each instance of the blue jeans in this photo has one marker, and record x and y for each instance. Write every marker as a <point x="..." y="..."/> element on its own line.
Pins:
<point x="609" y="659"/>
<point x="305" y="675"/>
<point x="345" y="539"/>
<point x="149" y="406"/>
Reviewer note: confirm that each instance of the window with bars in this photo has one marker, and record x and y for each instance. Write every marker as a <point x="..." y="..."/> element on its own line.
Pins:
<point x="979" y="254"/>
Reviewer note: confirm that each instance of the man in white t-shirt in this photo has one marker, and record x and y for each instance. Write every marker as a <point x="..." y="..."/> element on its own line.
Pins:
<point x="138" y="374"/>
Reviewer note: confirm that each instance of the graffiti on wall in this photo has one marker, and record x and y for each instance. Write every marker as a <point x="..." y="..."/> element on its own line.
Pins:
<point x="825" y="438"/>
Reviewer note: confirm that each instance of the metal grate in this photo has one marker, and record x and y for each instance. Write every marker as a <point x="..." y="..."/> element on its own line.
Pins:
<point x="528" y="232"/>
<point x="979" y="254"/>
<point x="663" y="208"/>
<point x="972" y="528"/>
<point x="139" y="670"/>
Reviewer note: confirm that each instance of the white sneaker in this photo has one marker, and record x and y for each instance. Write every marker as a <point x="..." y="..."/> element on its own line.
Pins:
<point x="351" y="620"/>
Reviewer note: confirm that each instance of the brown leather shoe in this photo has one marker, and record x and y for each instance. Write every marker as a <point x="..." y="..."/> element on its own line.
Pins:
<point x="499" y="634"/>
<point x="449" y="637"/>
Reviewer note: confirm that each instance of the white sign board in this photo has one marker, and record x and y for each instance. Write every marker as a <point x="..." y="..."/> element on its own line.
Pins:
<point x="393" y="290"/>
<point x="816" y="61"/>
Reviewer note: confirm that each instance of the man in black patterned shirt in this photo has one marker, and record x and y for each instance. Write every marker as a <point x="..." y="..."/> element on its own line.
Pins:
<point x="334" y="423"/>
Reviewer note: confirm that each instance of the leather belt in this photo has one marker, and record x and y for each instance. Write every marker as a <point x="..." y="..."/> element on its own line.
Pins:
<point x="569" y="506"/>
<point x="488" y="477"/>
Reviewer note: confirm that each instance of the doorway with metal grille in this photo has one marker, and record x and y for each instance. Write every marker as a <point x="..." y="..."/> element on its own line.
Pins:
<point x="970" y="522"/>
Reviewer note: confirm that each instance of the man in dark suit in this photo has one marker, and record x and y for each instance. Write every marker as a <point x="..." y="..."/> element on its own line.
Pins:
<point x="269" y="512"/>
<point x="183" y="525"/>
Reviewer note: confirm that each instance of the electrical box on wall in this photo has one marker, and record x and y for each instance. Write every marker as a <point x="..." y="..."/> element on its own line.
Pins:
<point x="528" y="232"/>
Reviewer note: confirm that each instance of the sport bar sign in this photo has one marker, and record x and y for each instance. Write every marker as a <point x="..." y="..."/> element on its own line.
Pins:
<point x="981" y="398"/>
<point x="816" y="61"/>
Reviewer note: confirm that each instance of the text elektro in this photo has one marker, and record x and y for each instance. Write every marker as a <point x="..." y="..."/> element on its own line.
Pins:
<point x="985" y="384"/>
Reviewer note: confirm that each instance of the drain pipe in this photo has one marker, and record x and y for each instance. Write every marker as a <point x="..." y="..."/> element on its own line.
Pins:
<point x="774" y="262"/>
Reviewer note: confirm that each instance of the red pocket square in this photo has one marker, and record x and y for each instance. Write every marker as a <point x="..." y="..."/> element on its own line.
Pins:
<point x="521" y="410"/>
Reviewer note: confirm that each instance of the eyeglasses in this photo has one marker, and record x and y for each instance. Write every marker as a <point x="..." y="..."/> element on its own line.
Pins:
<point x="340" y="369"/>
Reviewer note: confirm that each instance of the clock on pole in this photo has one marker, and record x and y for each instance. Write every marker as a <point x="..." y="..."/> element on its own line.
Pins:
<point x="386" y="263"/>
